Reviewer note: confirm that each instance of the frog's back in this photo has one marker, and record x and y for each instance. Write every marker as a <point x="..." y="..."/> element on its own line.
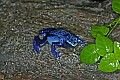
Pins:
<point x="59" y="33"/>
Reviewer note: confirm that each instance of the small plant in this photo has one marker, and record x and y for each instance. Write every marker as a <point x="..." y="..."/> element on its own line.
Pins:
<point x="105" y="50"/>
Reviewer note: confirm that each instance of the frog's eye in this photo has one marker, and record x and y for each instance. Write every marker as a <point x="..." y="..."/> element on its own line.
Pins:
<point x="41" y="32"/>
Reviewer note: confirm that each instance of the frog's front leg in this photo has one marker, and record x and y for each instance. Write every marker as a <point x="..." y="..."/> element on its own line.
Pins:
<point x="53" y="50"/>
<point x="55" y="41"/>
<point x="37" y="42"/>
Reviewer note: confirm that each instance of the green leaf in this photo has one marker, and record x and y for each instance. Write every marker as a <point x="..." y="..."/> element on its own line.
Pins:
<point x="117" y="50"/>
<point x="89" y="54"/>
<point x="116" y="6"/>
<point x="104" y="45"/>
<point x="103" y="30"/>
<point x="108" y="63"/>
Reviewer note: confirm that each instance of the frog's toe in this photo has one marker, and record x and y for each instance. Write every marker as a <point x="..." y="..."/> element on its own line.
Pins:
<point x="58" y="55"/>
<point x="82" y="42"/>
<point x="85" y="42"/>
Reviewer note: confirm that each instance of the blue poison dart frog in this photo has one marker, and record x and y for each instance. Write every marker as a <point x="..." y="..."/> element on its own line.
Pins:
<point x="56" y="38"/>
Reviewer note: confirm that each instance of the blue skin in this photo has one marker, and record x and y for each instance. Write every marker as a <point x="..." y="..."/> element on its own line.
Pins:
<point x="56" y="38"/>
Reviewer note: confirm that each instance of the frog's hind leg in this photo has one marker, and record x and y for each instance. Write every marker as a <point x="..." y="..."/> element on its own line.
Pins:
<point x="37" y="42"/>
<point x="53" y="50"/>
<point x="82" y="42"/>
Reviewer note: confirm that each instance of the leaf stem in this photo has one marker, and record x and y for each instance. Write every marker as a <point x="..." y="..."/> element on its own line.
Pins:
<point x="114" y="23"/>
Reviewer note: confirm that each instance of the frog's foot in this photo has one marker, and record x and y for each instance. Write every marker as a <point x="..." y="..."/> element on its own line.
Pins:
<point x="57" y="55"/>
<point x="53" y="49"/>
<point x="82" y="42"/>
<point x="37" y="42"/>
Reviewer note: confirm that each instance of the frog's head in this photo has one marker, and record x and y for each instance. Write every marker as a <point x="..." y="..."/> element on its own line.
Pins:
<point x="42" y="33"/>
<point x="45" y="31"/>
<point x="73" y="40"/>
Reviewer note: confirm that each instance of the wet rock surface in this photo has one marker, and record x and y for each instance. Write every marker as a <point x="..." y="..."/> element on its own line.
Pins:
<point x="20" y="21"/>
